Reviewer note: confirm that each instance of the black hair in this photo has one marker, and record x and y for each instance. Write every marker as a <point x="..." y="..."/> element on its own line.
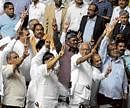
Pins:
<point x="96" y="6"/>
<point x="47" y="56"/>
<point x="71" y="34"/>
<point x="40" y="44"/>
<point x="37" y="25"/>
<point x="6" y="4"/>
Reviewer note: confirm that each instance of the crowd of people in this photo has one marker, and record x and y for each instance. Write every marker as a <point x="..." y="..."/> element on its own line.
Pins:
<point x="64" y="54"/>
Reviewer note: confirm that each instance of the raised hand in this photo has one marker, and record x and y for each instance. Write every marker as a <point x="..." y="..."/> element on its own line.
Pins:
<point x="61" y="53"/>
<point x="66" y="26"/>
<point x="26" y="53"/>
<point x="109" y="69"/>
<point x="54" y="25"/>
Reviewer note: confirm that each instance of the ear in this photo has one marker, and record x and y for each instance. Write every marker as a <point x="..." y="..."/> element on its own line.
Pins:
<point x="9" y="61"/>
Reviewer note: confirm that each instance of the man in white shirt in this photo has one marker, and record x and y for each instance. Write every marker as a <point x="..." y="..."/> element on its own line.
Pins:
<point x="82" y="74"/>
<point x="18" y="46"/>
<point x="113" y="89"/>
<point x="3" y="43"/>
<point x="1" y="7"/>
<point x="122" y="5"/>
<point x="74" y="14"/>
<point x="48" y="86"/>
<point x="36" y="11"/>
<point x="14" y="81"/>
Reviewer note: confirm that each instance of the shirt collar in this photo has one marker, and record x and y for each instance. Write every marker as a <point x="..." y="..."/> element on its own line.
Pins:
<point x="92" y="19"/>
<point x="14" y="17"/>
<point x="36" y="6"/>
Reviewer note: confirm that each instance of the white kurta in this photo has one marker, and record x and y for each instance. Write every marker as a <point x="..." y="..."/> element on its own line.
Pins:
<point x="49" y="88"/>
<point x="81" y="78"/>
<point x="35" y="76"/>
<point x="18" y="47"/>
<point x="14" y="88"/>
<point x="1" y="78"/>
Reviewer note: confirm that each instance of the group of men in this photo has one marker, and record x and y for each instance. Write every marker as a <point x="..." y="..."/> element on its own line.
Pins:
<point x="56" y="54"/>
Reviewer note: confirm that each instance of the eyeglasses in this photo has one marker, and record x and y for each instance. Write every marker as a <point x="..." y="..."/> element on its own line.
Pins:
<point x="15" y="57"/>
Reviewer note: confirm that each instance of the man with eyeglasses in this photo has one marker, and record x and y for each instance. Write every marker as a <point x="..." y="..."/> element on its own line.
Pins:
<point x="14" y="81"/>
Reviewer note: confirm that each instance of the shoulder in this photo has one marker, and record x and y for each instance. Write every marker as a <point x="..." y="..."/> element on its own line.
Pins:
<point x="42" y="5"/>
<point x="117" y="8"/>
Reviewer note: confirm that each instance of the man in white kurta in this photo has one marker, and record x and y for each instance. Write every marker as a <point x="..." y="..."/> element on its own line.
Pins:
<point x="82" y="74"/>
<point x="18" y="45"/>
<point x="48" y="88"/>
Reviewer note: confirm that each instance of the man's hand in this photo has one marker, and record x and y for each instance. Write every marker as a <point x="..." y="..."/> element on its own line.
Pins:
<point x="54" y="25"/>
<point x="61" y="53"/>
<point x="109" y="29"/>
<point x="23" y="15"/>
<point x="25" y="53"/>
<point x="66" y="26"/>
<point x="47" y="44"/>
<point x="109" y="69"/>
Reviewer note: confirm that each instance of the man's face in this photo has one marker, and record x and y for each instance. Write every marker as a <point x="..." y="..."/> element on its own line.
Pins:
<point x="10" y="11"/>
<point x="84" y="49"/>
<point x="97" y="61"/>
<point x="25" y="35"/>
<point x="13" y="58"/>
<point x="124" y="19"/>
<point x="79" y="2"/>
<point x="73" y="42"/>
<point x="91" y="11"/>
<point x="39" y="32"/>
<point x="121" y="48"/>
<point x="122" y="3"/>
<point x="58" y="3"/>
<point x="113" y="51"/>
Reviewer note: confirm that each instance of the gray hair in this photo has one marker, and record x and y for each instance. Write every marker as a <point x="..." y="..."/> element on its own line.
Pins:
<point x="86" y="43"/>
<point x="124" y="12"/>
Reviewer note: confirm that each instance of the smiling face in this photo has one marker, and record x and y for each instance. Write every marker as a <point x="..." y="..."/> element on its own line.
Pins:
<point x="122" y="3"/>
<point x="84" y="49"/>
<point x="121" y="47"/>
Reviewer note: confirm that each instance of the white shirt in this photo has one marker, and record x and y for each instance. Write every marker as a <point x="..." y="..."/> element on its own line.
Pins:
<point x="37" y="12"/>
<point x="89" y="28"/>
<point x="18" y="47"/>
<point x="1" y="78"/>
<point x="116" y="83"/>
<point x="48" y="86"/>
<point x="81" y="78"/>
<point x="58" y="15"/>
<point x="74" y="15"/>
<point x="116" y="12"/>
<point x="1" y="7"/>
<point x="32" y="88"/>
<point x="14" y="88"/>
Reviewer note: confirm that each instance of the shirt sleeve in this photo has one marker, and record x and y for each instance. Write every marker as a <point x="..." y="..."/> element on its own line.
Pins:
<point x="103" y="48"/>
<point x="125" y="83"/>
<point x="7" y="70"/>
<point x="97" y="75"/>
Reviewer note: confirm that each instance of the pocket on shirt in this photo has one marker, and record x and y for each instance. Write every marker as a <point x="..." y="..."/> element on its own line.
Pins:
<point x="79" y="88"/>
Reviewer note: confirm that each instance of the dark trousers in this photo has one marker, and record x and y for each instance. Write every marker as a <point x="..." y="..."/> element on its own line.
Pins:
<point x="115" y="103"/>
<point x="5" y="106"/>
